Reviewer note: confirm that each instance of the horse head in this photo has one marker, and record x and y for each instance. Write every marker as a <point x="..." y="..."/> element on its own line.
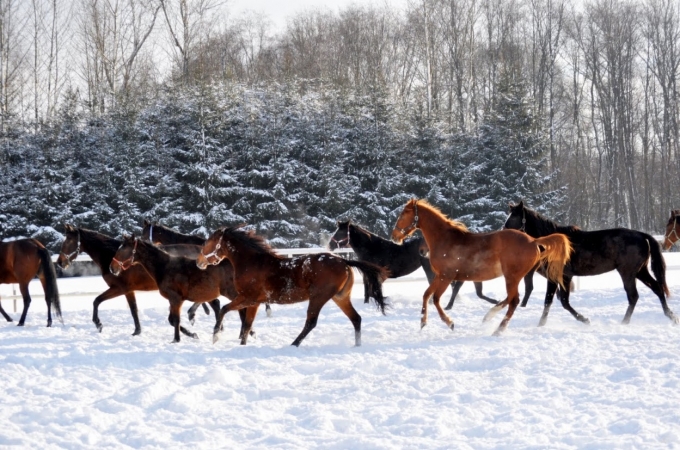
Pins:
<point x="70" y="248"/>
<point x="125" y="255"/>
<point x="340" y="238"/>
<point x="517" y="218"/>
<point x="407" y="222"/>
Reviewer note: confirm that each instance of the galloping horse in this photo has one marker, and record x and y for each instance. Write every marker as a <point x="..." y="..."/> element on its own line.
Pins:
<point x="597" y="252"/>
<point x="261" y="275"/>
<point x="101" y="249"/>
<point x="20" y="262"/>
<point x="400" y="260"/>
<point x="671" y="236"/>
<point x="178" y="279"/>
<point x="160" y="234"/>
<point x="458" y="254"/>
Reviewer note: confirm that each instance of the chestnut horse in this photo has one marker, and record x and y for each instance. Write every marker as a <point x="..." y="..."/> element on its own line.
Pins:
<point x="20" y="261"/>
<point x="160" y="234"/>
<point x="178" y="279"/>
<point x="101" y="249"/>
<point x="458" y="254"/>
<point x="261" y="275"/>
<point x="400" y="260"/>
<point x="596" y="252"/>
<point x="671" y="236"/>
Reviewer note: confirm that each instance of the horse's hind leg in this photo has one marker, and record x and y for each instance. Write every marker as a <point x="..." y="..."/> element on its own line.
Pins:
<point x="191" y="313"/>
<point x="174" y="319"/>
<point x="549" y="295"/>
<point x="528" y="287"/>
<point x="455" y="288"/>
<point x="345" y="306"/>
<point x="440" y="286"/>
<point x="27" y="302"/>
<point x="268" y="309"/>
<point x="513" y="302"/>
<point x="563" y="295"/>
<point x="248" y="319"/>
<point x="644" y="276"/>
<point x="313" y="310"/>
<point x="107" y="295"/>
<point x="132" y="304"/>
<point x="478" y="290"/>
<point x="632" y="294"/>
<point x="243" y="314"/>
<point x="4" y="314"/>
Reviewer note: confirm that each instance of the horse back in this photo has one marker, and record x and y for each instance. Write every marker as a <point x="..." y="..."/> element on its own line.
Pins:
<point x="602" y="251"/>
<point x="19" y="260"/>
<point x="400" y="260"/>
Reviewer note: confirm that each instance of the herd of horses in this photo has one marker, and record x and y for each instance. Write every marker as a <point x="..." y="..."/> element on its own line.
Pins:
<point x="240" y="265"/>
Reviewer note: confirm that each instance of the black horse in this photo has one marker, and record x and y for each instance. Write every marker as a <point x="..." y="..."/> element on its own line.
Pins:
<point x="597" y="252"/>
<point x="400" y="260"/>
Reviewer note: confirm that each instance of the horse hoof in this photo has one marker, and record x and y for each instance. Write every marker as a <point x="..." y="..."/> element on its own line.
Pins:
<point x="497" y="333"/>
<point x="49" y="324"/>
<point x="216" y="337"/>
<point x="448" y="307"/>
<point x="253" y="335"/>
<point x="269" y="313"/>
<point x="137" y="332"/>
<point x="20" y="324"/>
<point x="422" y="325"/>
<point x="99" y="327"/>
<point x="194" y="335"/>
<point x="451" y="326"/>
<point x="585" y="320"/>
<point x="192" y="321"/>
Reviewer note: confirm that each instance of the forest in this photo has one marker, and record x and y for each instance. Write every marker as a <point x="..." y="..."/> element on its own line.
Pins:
<point x="115" y="111"/>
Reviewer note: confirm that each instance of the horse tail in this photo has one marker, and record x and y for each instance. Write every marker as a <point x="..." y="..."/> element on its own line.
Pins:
<point x="50" y="276"/>
<point x="658" y="263"/>
<point x="556" y="253"/>
<point x="374" y="275"/>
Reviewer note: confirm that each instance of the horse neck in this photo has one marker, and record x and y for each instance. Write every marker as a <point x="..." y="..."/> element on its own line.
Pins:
<point x="153" y="259"/>
<point x="175" y="237"/>
<point x="432" y="226"/>
<point x="95" y="245"/>
<point x="241" y="254"/>
<point x="539" y="226"/>
<point x="361" y="240"/>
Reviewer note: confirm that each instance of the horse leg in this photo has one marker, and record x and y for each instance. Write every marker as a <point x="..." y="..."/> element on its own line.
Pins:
<point x="478" y="290"/>
<point x="27" y="302"/>
<point x="191" y="313"/>
<point x="215" y="305"/>
<point x="174" y="319"/>
<point x="441" y="286"/>
<point x="633" y="296"/>
<point x="644" y="276"/>
<point x="4" y="314"/>
<point x="106" y="295"/>
<point x="268" y="309"/>
<point x="313" y="310"/>
<point x="243" y="314"/>
<point x="495" y="310"/>
<point x="528" y="287"/>
<point x="247" y="324"/>
<point x="132" y="304"/>
<point x="345" y="306"/>
<point x="563" y="295"/>
<point x="234" y="304"/>
<point x="426" y="297"/>
<point x="513" y="302"/>
<point x="367" y="293"/>
<point x="455" y="287"/>
<point x="549" y="295"/>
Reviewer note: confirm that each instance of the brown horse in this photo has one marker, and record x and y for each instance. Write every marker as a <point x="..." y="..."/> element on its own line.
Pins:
<point x="458" y="254"/>
<point x="261" y="276"/>
<point x="101" y="249"/>
<point x="20" y="262"/>
<point x="672" y="227"/>
<point x="178" y="279"/>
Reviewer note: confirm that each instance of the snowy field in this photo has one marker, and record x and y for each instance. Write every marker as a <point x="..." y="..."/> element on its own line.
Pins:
<point x="565" y="385"/>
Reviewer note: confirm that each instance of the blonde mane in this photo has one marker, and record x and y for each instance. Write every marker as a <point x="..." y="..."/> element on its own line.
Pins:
<point x="424" y="204"/>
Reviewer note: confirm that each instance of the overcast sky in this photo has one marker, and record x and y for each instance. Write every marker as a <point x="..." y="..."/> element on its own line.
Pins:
<point x="279" y="10"/>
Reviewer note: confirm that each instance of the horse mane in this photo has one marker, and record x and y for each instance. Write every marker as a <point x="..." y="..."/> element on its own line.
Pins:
<point x="545" y="226"/>
<point x="362" y="230"/>
<point x="460" y="226"/>
<point x="250" y="240"/>
<point x="107" y="242"/>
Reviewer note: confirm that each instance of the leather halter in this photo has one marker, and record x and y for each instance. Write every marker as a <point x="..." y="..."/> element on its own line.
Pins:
<point x="213" y="254"/>
<point x="124" y="265"/>
<point x="523" y="228"/>
<point x="674" y="233"/>
<point x="414" y="224"/>
<point x="341" y="242"/>
<point x="74" y="254"/>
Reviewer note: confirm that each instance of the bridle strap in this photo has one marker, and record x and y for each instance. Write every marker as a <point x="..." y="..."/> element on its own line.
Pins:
<point x="151" y="233"/>
<point x="414" y="224"/>
<point x="342" y="241"/>
<point x="213" y="254"/>
<point x="128" y="262"/>
<point x="674" y="233"/>
<point x="523" y="228"/>
<point x="74" y="254"/>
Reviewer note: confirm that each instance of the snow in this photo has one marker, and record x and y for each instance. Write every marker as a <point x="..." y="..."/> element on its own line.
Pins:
<point x="565" y="385"/>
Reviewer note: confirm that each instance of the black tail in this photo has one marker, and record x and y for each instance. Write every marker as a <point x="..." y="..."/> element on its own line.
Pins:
<point x="50" y="274"/>
<point x="658" y="263"/>
<point x="375" y="275"/>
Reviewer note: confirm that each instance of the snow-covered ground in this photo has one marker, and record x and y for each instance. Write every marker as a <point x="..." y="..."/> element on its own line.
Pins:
<point x="565" y="385"/>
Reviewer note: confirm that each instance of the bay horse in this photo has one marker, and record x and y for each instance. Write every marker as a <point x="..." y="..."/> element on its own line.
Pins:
<point x="458" y="254"/>
<point x="101" y="249"/>
<point x="597" y="252"/>
<point x="671" y="235"/>
<point x="178" y="279"/>
<point x="261" y="275"/>
<point x="20" y="261"/>
<point x="160" y="234"/>
<point x="400" y="260"/>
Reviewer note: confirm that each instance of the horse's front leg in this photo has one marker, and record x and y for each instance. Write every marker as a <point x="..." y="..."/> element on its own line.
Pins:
<point x="4" y="314"/>
<point x="234" y="304"/>
<point x="174" y="319"/>
<point x="440" y="286"/>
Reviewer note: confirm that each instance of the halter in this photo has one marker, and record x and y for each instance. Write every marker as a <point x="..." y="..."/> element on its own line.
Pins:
<point x="674" y="233"/>
<point x="128" y="262"/>
<point x="523" y="228"/>
<point x="151" y="233"/>
<point x="343" y="241"/>
<point x="414" y="224"/>
<point x="74" y="254"/>
<point x="213" y="254"/>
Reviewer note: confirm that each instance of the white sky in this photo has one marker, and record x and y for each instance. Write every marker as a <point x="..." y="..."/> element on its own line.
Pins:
<point x="279" y="10"/>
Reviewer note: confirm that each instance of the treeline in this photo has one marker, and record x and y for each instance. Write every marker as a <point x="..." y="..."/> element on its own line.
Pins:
<point x="380" y="96"/>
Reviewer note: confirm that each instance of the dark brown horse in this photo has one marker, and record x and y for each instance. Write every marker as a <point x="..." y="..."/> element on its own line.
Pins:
<point x="101" y="249"/>
<point x="178" y="279"/>
<point x="672" y="228"/>
<point x="160" y="234"/>
<point x="261" y="276"/>
<point x="596" y="252"/>
<point x="458" y="254"/>
<point x="400" y="260"/>
<point x="20" y="262"/>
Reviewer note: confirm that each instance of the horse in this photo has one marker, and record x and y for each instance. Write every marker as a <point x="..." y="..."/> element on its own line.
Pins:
<point x="20" y="261"/>
<point x="596" y="252"/>
<point x="458" y="254"/>
<point x="671" y="235"/>
<point x="178" y="279"/>
<point x="261" y="275"/>
<point x="400" y="260"/>
<point x="160" y="234"/>
<point x="101" y="249"/>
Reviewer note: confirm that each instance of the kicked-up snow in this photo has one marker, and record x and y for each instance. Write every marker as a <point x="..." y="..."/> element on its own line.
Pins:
<point x="562" y="386"/>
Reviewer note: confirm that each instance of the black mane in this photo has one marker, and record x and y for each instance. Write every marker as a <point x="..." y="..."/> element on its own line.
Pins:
<point x="545" y="226"/>
<point x="250" y="240"/>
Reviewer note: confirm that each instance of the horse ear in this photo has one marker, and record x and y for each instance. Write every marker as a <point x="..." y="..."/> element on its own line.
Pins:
<point x="67" y="227"/>
<point x="146" y="222"/>
<point x="521" y="204"/>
